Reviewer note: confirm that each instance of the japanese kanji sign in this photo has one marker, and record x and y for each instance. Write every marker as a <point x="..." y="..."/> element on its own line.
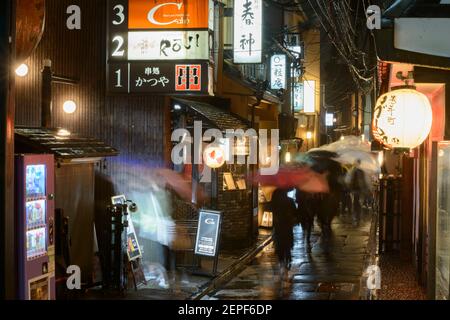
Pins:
<point x="160" y="77"/>
<point x="278" y="72"/>
<point x="298" y="97"/>
<point x="402" y="118"/>
<point x="247" y="31"/>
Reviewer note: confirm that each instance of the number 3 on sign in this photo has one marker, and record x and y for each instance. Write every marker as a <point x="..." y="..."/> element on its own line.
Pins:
<point x="118" y="10"/>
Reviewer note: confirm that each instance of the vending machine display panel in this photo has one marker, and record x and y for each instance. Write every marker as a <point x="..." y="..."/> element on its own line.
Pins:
<point x="36" y="243"/>
<point x="35" y="181"/>
<point x="35" y="214"/>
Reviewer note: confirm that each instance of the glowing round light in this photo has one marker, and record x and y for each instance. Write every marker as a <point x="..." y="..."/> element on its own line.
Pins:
<point x="402" y="119"/>
<point x="63" y="133"/>
<point x="69" y="106"/>
<point x="214" y="156"/>
<point x="22" y="70"/>
<point x="309" y="135"/>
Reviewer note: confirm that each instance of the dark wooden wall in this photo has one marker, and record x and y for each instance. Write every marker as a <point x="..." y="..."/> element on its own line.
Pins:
<point x="133" y="124"/>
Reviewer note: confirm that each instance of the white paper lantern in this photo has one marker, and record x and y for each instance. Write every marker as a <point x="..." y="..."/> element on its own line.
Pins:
<point x="214" y="156"/>
<point x="402" y="118"/>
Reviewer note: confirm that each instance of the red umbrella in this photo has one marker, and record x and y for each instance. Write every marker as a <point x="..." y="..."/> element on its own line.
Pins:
<point x="302" y="178"/>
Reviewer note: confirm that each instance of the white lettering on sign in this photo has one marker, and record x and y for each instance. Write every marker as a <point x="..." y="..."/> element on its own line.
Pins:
<point x="152" y="12"/>
<point x="247" y="45"/>
<point x="168" y="45"/>
<point x="278" y="72"/>
<point x="74" y="20"/>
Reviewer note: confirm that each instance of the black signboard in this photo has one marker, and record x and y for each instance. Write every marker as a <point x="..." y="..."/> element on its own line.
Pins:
<point x="159" y="77"/>
<point x="208" y="233"/>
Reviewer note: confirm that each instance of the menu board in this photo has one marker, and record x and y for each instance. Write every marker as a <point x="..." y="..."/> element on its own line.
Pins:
<point x="208" y="233"/>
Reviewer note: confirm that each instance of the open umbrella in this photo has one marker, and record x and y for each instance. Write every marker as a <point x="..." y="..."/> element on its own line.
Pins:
<point x="368" y="164"/>
<point x="301" y="177"/>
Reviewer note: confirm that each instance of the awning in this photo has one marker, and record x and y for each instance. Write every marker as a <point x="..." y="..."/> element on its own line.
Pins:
<point x="217" y="117"/>
<point x="62" y="143"/>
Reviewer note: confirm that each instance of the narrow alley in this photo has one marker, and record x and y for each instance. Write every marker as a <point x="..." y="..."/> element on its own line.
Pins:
<point x="333" y="270"/>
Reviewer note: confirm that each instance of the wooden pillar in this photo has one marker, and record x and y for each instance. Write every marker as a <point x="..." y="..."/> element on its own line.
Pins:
<point x="407" y="214"/>
<point x="8" y="268"/>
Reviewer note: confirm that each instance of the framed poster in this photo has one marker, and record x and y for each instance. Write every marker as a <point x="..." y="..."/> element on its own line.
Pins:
<point x="206" y="243"/>
<point x="228" y="181"/>
<point x="39" y="288"/>
<point x="133" y="248"/>
<point x="241" y="184"/>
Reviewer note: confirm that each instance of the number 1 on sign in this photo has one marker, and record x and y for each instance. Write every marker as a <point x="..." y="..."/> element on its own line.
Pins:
<point x="119" y="78"/>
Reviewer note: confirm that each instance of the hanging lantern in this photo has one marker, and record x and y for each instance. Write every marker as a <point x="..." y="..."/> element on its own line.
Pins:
<point x="214" y="156"/>
<point x="402" y="118"/>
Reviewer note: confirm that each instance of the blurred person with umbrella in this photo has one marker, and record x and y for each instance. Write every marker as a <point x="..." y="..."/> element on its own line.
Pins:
<point x="284" y="210"/>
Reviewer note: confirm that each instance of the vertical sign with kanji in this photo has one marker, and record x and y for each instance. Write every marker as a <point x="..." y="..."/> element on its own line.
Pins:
<point x="247" y="46"/>
<point x="278" y="72"/>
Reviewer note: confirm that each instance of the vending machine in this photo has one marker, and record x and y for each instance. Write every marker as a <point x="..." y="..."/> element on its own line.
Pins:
<point x="35" y="222"/>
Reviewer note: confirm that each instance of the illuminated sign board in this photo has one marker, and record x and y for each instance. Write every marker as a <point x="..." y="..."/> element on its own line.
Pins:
<point x="278" y="72"/>
<point x="169" y="14"/>
<point x="298" y="97"/>
<point x="208" y="233"/>
<point x="144" y="57"/>
<point x="309" y="94"/>
<point x="159" y="77"/>
<point x="168" y="45"/>
<point x="247" y="47"/>
<point x="329" y="119"/>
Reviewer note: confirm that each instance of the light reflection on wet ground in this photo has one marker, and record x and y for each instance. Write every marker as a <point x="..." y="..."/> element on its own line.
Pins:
<point x="331" y="271"/>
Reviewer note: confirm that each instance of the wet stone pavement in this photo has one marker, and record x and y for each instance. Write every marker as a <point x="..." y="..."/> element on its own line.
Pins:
<point x="332" y="271"/>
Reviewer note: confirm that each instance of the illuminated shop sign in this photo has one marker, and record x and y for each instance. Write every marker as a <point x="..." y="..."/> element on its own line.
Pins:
<point x="144" y="57"/>
<point x="309" y="96"/>
<point x="160" y="77"/>
<point x="168" y="45"/>
<point x="247" y="46"/>
<point x="298" y="97"/>
<point x="170" y="14"/>
<point x="329" y="119"/>
<point x="278" y="72"/>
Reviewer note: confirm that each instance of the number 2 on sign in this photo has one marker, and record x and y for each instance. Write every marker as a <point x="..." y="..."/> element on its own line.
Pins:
<point x="119" y="52"/>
